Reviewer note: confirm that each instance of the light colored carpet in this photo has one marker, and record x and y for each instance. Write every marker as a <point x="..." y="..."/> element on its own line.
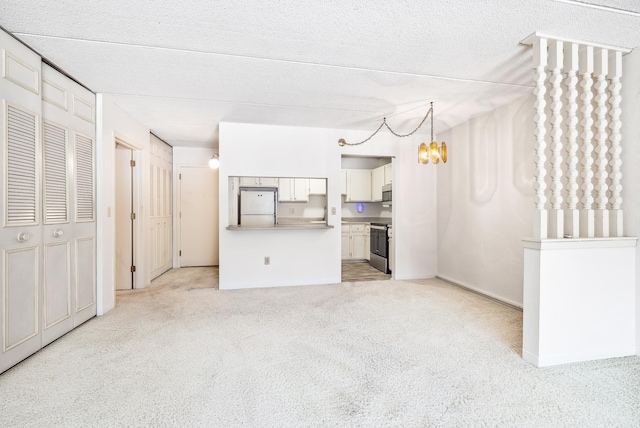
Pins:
<point x="388" y="353"/>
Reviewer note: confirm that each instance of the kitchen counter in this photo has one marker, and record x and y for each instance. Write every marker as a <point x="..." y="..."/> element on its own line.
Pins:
<point x="297" y="226"/>
<point x="368" y="220"/>
<point x="285" y="223"/>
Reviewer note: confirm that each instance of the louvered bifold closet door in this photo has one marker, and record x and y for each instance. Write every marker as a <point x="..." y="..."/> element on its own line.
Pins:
<point x="57" y="231"/>
<point x="84" y="203"/>
<point x="20" y="226"/>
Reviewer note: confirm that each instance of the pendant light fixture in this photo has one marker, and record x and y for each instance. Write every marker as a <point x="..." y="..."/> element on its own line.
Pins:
<point x="432" y="152"/>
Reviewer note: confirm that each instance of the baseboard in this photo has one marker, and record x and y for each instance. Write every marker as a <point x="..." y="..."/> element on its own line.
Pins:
<point x="483" y="293"/>
<point x="557" y="360"/>
<point x="413" y="277"/>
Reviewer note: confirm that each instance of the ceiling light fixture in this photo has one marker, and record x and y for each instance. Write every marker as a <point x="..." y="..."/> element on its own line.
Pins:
<point x="214" y="162"/>
<point x="432" y="151"/>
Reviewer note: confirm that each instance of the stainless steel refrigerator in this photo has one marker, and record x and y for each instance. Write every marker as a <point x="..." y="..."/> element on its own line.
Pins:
<point x="257" y="207"/>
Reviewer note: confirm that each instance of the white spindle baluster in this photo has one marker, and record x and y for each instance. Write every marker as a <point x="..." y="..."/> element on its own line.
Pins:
<point x="572" y="215"/>
<point x="556" y="217"/>
<point x="601" y="214"/>
<point x="615" y="72"/>
<point x="540" y="62"/>
<point x="587" y="221"/>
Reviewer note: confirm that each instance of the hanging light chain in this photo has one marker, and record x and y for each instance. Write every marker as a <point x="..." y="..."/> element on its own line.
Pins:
<point x="342" y="142"/>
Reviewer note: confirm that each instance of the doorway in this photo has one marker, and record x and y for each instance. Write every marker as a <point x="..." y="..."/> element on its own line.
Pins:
<point x="124" y="217"/>
<point x="199" y="237"/>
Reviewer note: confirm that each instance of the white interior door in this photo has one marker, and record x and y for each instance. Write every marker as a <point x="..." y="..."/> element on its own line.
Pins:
<point x="20" y="215"/>
<point x="198" y="216"/>
<point x="124" y="222"/>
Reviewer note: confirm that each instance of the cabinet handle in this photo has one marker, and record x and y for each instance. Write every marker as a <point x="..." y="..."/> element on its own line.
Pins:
<point x="23" y="237"/>
<point x="58" y="233"/>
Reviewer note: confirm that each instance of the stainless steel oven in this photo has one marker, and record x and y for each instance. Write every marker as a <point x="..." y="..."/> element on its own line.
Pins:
<point x="379" y="247"/>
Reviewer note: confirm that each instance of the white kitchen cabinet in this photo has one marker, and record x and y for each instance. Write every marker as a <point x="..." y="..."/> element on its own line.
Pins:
<point x="317" y="186"/>
<point x="343" y="182"/>
<point x="367" y="242"/>
<point x="392" y="253"/>
<point x="258" y="182"/>
<point x="346" y="250"/>
<point x="293" y="190"/>
<point x="377" y="181"/>
<point x="358" y="185"/>
<point x="388" y="174"/>
<point x="354" y="242"/>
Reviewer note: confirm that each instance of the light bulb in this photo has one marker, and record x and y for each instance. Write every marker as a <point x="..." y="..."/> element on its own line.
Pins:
<point x="214" y="163"/>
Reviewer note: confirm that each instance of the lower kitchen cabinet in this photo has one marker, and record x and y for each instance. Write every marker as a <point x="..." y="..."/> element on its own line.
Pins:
<point x="354" y="242"/>
<point x="367" y="242"/>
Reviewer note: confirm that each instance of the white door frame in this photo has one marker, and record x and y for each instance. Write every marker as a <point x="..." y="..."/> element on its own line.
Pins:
<point x="138" y="236"/>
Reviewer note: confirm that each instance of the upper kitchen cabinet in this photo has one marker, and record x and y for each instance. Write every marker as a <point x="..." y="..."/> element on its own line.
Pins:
<point x="388" y="174"/>
<point x="317" y="186"/>
<point x="343" y="182"/>
<point x="359" y="185"/>
<point x="377" y="181"/>
<point x="258" y="182"/>
<point x="294" y="189"/>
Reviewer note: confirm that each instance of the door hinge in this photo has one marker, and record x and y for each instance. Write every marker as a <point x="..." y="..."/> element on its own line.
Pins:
<point x="179" y="176"/>
<point x="133" y="268"/>
<point x="180" y="253"/>
<point x="132" y="163"/>
<point x="133" y="216"/>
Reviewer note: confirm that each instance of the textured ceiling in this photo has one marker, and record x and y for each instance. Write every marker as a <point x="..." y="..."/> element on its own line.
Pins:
<point x="182" y="67"/>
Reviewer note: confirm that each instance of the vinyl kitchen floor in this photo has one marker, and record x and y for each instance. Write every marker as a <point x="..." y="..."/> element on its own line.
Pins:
<point x="361" y="271"/>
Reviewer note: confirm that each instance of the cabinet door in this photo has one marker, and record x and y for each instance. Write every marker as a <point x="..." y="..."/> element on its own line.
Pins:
<point x="300" y="189"/>
<point x="359" y="185"/>
<point x="345" y="248"/>
<point x="317" y="186"/>
<point x="248" y="181"/>
<point x="285" y="186"/>
<point x="268" y="182"/>
<point x="343" y="182"/>
<point x="357" y="246"/>
<point x="388" y="174"/>
<point x="367" y="243"/>
<point x="377" y="181"/>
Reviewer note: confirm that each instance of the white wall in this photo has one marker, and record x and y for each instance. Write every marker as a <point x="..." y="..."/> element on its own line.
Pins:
<point x="301" y="257"/>
<point x="485" y="201"/>
<point x="631" y="157"/>
<point x="184" y="156"/>
<point x="114" y="122"/>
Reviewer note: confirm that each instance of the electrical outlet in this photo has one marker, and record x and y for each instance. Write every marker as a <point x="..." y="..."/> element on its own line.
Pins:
<point x="292" y="210"/>
<point x="333" y="210"/>
<point x="267" y="260"/>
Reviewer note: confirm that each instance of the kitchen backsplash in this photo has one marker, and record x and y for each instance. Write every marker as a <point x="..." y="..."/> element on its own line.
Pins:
<point x="316" y="206"/>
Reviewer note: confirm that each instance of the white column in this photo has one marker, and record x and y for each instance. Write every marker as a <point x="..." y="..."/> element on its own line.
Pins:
<point x="556" y="214"/>
<point x="601" y="214"/>
<point x="571" y="214"/>
<point x="615" y="214"/>
<point x="587" y="221"/>
<point x="540" y="226"/>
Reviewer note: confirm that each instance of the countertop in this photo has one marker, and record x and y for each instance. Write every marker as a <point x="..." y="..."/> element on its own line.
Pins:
<point x="285" y="223"/>
<point x="369" y="220"/>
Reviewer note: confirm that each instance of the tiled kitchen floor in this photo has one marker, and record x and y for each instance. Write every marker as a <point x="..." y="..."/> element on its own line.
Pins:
<point x="361" y="271"/>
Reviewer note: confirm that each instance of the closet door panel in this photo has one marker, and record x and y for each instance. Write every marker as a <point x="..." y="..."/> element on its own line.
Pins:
<point x="20" y="216"/>
<point x="57" y="230"/>
<point x="57" y="314"/>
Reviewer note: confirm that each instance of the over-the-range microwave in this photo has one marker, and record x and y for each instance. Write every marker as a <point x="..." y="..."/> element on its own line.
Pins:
<point x="386" y="194"/>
